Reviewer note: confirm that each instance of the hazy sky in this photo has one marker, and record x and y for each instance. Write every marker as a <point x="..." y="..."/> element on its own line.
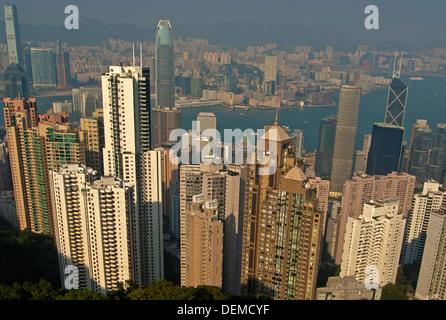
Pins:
<point x="412" y="21"/>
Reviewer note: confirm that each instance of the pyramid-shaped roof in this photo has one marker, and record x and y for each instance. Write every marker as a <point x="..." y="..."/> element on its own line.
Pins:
<point x="296" y="174"/>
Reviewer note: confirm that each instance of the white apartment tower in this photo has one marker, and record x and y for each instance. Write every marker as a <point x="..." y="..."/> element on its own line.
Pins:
<point x="372" y="243"/>
<point x="431" y="199"/>
<point x="92" y="227"/>
<point x="431" y="283"/>
<point x="128" y="155"/>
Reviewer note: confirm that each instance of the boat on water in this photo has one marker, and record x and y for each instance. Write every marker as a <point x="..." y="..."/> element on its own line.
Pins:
<point x="416" y="78"/>
<point x="242" y="114"/>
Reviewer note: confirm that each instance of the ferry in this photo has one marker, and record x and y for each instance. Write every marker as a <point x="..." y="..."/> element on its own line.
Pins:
<point x="416" y="78"/>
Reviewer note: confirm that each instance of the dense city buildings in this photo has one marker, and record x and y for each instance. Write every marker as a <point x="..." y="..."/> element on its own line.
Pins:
<point x="86" y="159"/>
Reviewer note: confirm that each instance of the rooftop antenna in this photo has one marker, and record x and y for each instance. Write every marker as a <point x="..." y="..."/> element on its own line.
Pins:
<point x="140" y="53"/>
<point x="276" y="122"/>
<point x="133" y="54"/>
<point x="394" y="66"/>
<point x="401" y="60"/>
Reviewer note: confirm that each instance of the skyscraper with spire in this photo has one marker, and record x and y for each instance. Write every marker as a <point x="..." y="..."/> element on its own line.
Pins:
<point x="164" y="65"/>
<point x="13" y="38"/>
<point x="387" y="146"/>
<point x="396" y="100"/>
<point x="282" y="226"/>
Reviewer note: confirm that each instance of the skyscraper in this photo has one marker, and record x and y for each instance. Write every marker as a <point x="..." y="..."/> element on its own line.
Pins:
<point x="437" y="161"/>
<point x="204" y="244"/>
<point x="431" y="280"/>
<point x="363" y="188"/>
<point x="93" y="131"/>
<point x="16" y="84"/>
<point x="128" y="156"/>
<point x="386" y="149"/>
<point x="419" y="124"/>
<point x="275" y="261"/>
<point x="222" y="187"/>
<point x="93" y="227"/>
<point x="325" y="146"/>
<point x="431" y="199"/>
<point x="164" y="65"/>
<point x="13" y="37"/>
<point x="62" y="67"/>
<point x="373" y="240"/>
<point x="345" y="139"/>
<point x="164" y="121"/>
<point x="418" y="158"/>
<point x="43" y="63"/>
<point x="396" y="102"/>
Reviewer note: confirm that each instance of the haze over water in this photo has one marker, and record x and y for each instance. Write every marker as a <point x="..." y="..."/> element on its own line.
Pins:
<point x="426" y="100"/>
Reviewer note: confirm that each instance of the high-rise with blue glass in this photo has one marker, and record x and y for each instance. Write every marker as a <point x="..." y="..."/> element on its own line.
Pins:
<point x="164" y="66"/>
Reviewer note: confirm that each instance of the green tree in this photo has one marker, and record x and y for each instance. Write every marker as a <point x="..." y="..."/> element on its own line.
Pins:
<point x="392" y="292"/>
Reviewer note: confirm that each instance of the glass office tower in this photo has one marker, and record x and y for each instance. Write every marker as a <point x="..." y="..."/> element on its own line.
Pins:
<point x="14" y="42"/>
<point x="386" y="149"/>
<point x="396" y="102"/>
<point x="164" y="66"/>
<point x="43" y="63"/>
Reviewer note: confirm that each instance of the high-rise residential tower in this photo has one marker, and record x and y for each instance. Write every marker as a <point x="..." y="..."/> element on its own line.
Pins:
<point x="93" y="219"/>
<point x="164" y="65"/>
<point x="363" y="188"/>
<point x="128" y="155"/>
<point x="373" y="243"/>
<point x="345" y="139"/>
<point x="431" y="199"/>
<point x="431" y="284"/>
<point x="276" y="262"/>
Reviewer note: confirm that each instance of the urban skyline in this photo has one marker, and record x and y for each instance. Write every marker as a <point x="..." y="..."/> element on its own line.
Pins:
<point x="258" y="217"/>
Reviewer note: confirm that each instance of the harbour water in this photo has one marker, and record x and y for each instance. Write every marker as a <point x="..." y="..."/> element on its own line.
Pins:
<point x="426" y="100"/>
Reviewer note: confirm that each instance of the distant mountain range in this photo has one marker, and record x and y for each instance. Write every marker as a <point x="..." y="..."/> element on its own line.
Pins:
<point x="235" y="34"/>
